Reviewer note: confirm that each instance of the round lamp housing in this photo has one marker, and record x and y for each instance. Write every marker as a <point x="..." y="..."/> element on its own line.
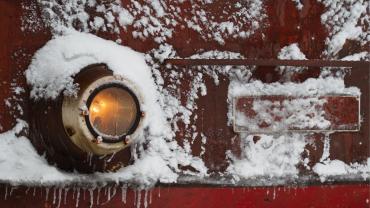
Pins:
<point x="105" y="116"/>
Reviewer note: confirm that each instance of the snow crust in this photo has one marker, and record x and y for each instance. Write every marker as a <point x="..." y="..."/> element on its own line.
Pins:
<point x="346" y="20"/>
<point x="339" y="168"/>
<point x="27" y="167"/>
<point x="155" y="19"/>
<point x="19" y="158"/>
<point x="269" y="156"/>
<point x="54" y="65"/>
<point x="310" y="87"/>
<point x="290" y="52"/>
<point x="297" y="114"/>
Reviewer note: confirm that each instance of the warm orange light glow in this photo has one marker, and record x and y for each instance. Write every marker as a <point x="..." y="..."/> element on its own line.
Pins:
<point x="98" y="105"/>
<point x="95" y="109"/>
<point x="113" y="111"/>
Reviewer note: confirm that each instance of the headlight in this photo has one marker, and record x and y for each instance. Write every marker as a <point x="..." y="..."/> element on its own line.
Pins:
<point x="103" y="118"/>
<point x="114" y="112"/>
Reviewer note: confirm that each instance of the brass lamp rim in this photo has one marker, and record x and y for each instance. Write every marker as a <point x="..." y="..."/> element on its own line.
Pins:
<point x="75" y="116"/>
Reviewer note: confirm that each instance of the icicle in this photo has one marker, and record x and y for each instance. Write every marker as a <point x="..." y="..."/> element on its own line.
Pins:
<point x="108" y="194"/>
<point x="54" y="195"/>
<point x="73" y="193"/>
<point x="274" y="194"/>
<point x="78" y="196"/>
<point x="150" y="197"/>
<point x="326" y="149"/>
<point x="6" y="192"/>
<point x="59" y="197"/>
<point x="11" y="191"/>
<point x="111" y="157"/>
<point x="124" y="193"/>
<point x="114" y="191"/>
<point x="84" y="193"/>
<point x="138" y="204"/>
<point x="34" y="191"/>
<point x="146" y="199"/>
<point x="134" y="197"/>
<point x="89" y="158"/>
<point x="26" y="192"/>
<point x="91" y="191"/>
<point x="98" y="196"/>
<point x="65" y="195"/>
<point x="47" y="193"/>
<point x="159" y="192"/>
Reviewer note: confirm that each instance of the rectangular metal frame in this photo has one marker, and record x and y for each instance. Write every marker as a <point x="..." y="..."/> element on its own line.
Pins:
<point x="301" y="130"/>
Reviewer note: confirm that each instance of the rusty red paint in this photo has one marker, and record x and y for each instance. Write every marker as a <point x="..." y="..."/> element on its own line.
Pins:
<point x="342" y="112"/>
<point x="269" y="62"/>
<point x="355" y="196"/>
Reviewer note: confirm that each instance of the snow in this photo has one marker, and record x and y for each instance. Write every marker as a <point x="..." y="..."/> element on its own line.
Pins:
<point x="339" y="168"/>
<point x="249" y="15"/>
<point x="17" y="156"/>
<point x="155" y="19"/>
<point x="297" y="114"/>
<point x="298" y="4"/>
<point x="54" y="65"/>
<point x="346" y="20"/>
<point x="310" y="87"/>
<point x="269" y="156"/>
<point x="356" y="56"/>
<point x="290" y="52"/>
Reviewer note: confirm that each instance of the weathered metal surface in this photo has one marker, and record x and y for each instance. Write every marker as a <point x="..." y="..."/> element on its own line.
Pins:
<point x="287" y="114"/>
<point x="283" y="18"/>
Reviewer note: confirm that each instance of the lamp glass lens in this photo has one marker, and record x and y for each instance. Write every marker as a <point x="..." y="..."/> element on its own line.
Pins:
<point x="113" y="111"/>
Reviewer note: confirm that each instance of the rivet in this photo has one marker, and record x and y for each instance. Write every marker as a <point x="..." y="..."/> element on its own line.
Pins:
<point x="127" y="139"/>
<point x="98" y="140"/>
<point x="84" y="112"/>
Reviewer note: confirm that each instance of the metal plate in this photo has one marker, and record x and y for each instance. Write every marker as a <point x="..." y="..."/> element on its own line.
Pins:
<point x="274" y="114"/>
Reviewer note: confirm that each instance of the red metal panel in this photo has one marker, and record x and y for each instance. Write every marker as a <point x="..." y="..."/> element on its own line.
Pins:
<point x="341" y="111"/>
<point x="287" y="25"/>
<point x="356" y="196"/>
<point x="268" y="62"/>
